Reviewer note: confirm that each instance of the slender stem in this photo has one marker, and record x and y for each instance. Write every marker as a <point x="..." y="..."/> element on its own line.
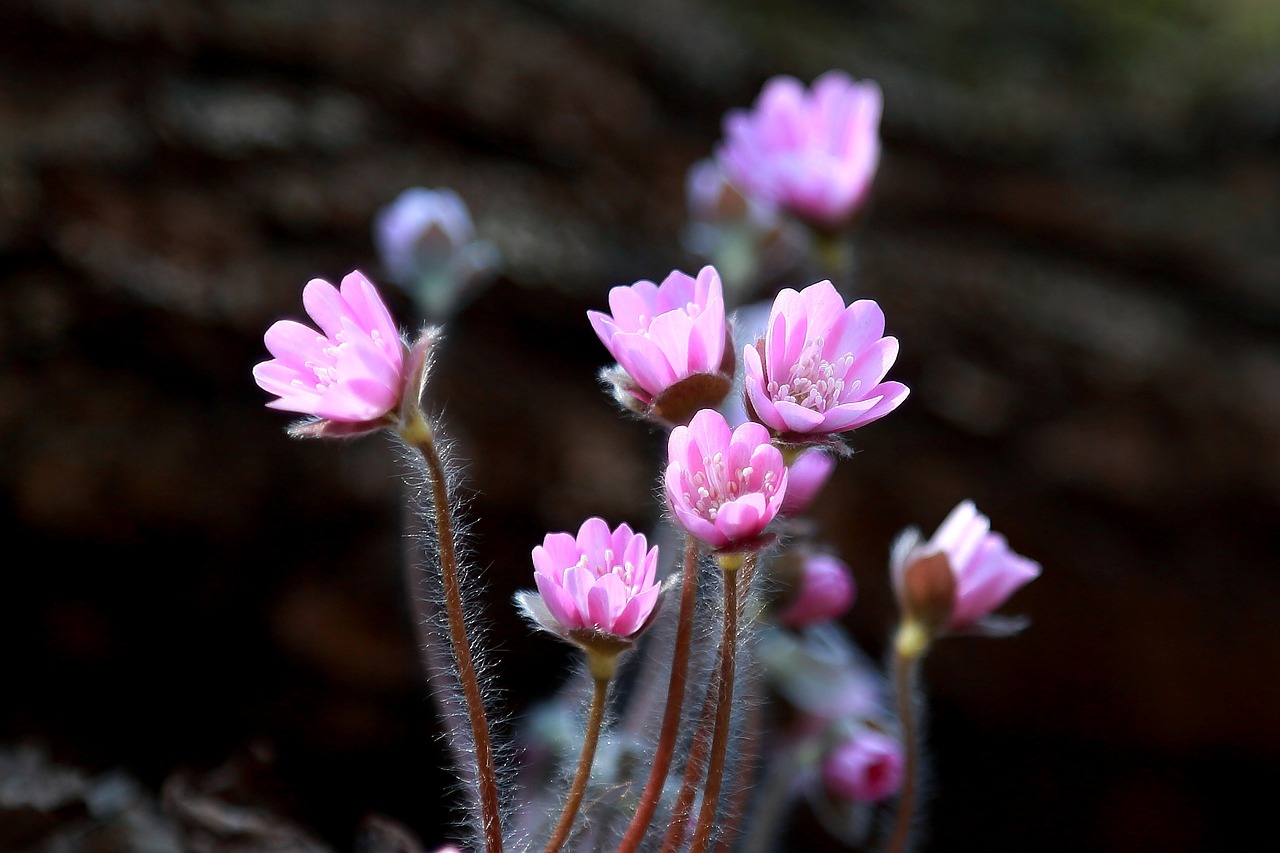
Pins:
<point x="693" y="763"/>
<point x="595" y="721"/>
<point x="724" y="702"/>
<point x="675" y="700"/>
<point x="419" y="434"/>
<point x="747" y="763"/>
<point x="906" y="659"/>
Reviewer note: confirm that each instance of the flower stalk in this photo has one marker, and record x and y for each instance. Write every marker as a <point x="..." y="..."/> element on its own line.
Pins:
<point x="418" y="434"/>
<point x="675" y="700"/>
<point x="602" y="671"/>
<point x="724" y="703"/>
<point x="909" y="646"/>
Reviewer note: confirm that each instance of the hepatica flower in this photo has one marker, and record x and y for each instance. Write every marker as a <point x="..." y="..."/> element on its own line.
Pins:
<point x="669" y="340"/>
<point x="813" y="152"/>
<point x="723" y="485"/>
<point x="428" y="245"/>
<point x="954" y="582"/>
<point x="865" y="767"/>
<point x="823" y="589"/>
<point x="351" y="371"/>
<point x="819" y="368"/>
<point x="598" y="586"/>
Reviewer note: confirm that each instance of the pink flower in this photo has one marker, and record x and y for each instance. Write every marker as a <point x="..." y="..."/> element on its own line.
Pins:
<point x="825" y="591"/>
<point x="806" y="477"/>
<point x="812" y="152"/>
<point x="665" y="334"/>
<point x="819" y="368"/>
<point x="981" y="572"/>
<point x="724" y="486"/>
<point x="352" y="370"/>
<point x="599" y="582"/>
<point x="866" y="767"/>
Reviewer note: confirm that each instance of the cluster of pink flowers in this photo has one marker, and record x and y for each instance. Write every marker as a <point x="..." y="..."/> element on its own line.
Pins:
<point x="747" y="453"/>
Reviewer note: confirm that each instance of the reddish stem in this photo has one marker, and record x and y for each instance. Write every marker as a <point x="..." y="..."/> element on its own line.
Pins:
<point x="419" y="434"/>
<point x="724" y="711"/>
<point x="675" y="700"/>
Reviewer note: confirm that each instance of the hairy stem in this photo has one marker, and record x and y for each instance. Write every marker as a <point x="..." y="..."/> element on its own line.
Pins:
<point x="753" y="732"/>
<point x="724" y="711"/>
<point x="693" y="765"/>
<point x="675" y="700"/>
<point x="906" y="659"/>
<point x="595" y="721"/>
<point x="417" y="433"/>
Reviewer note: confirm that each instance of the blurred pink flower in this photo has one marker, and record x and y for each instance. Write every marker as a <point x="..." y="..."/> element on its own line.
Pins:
<point x="421" y="222"/>
<point x="985" y="571"/>
<point x="351" y="371"/>
<point x="663" y="334"/>
<point x="812" y="152"/>
<point x="819" y="367"/>
<point x="723" y="485"/>
<point x="806" y="477"/>
<point x="599" y="582"/>
<point x="825" y="591"/>
<point x="866" y="767"/>
<point x="428" y="245"/>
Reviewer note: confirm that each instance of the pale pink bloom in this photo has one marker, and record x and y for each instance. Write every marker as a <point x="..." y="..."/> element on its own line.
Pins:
<point x="826" y="591"/>
<point x="428" y="245"/>
<point x="806" y="477"/>
<point x="350" y="371"/>
<point x="661" y="334"/>
<point x="866" y="767"/>
<point x="820" y="366"/>
<point x="723" y="485"/>
<point x="986" y="570"/>
<point x="421" y="223"/>
<point x="599" y="582"/>
<point x="813" y="152"/>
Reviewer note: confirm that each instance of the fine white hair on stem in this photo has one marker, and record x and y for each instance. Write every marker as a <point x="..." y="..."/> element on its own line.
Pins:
<point x="428" y="598"/>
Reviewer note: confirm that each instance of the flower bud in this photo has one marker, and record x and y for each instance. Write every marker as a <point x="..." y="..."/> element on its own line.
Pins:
<point x="866" y="767"/>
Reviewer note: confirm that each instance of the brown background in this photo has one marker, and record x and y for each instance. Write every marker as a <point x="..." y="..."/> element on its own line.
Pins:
<point x="1076" y="237"/>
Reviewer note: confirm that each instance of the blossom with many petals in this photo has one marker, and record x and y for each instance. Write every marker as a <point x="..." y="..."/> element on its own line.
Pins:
<point x="599" y="582"/>
<point x="813" y="152"/>
<point x="723" y="485"/>
<point x="352" y="370"/>
<point x="819" y="368"/>
<point x="866" y="767"/>
<point x="669" y="340"/>
<point x="954" y="581"/>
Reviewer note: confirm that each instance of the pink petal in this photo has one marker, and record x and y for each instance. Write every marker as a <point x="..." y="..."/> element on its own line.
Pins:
<point x="743" y="518"/>
<point x="325" y="306"/>
<point x="797" y="418"/>
<point x="854" y="330"/>
<point x="558" y="602"/>
<point x="295" y="344"/>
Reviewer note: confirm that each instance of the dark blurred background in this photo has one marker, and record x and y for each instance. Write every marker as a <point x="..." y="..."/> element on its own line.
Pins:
<point x="1075" y="235"/>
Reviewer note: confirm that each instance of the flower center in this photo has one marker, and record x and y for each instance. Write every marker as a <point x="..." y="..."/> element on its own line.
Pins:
<point x="608" y="564"/>
<point x="719" y="486"/>
<point x="813" y="382"/>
